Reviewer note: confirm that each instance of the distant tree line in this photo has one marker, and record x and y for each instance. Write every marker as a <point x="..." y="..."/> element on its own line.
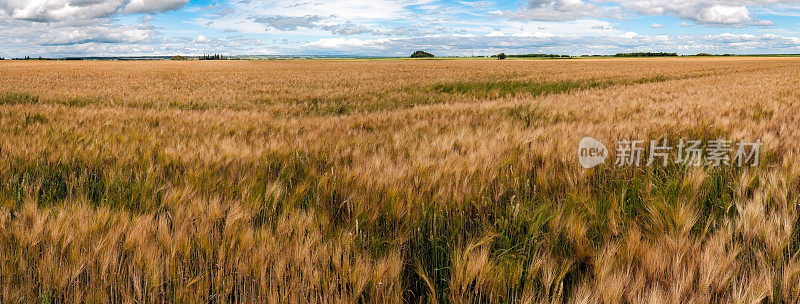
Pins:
<point x="212" y="57"/>
<point x="539" y="56"/>
<point x="29" y="58"/>
<point x="646" y="54"/>
<point x="707" y="54"/>
<point x="533" y="56"/>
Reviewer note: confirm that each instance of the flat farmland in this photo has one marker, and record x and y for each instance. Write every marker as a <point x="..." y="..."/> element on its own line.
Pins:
<point x="394" y="181"/>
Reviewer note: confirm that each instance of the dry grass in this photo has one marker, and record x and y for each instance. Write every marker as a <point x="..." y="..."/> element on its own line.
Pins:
<point x="393" y="181"/>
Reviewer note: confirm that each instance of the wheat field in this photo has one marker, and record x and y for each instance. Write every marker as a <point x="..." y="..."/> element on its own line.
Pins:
<point x="393" y="181"/>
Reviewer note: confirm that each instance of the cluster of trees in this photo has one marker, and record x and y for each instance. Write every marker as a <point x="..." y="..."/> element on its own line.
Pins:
<point x="179" y="58"/>
<point x="421" y="54"/>
<point x="212" y="57"/>
<point x="646" y="54"/>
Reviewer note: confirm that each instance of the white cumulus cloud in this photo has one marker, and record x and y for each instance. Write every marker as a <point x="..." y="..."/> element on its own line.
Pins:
<point x="711" y="12"/>
<point x="59" y="10"/>
<point x="153" y="6"/>
<point x="715" y="12"/>
<point x="561" y="10"/>
<point x="81" y="10"/>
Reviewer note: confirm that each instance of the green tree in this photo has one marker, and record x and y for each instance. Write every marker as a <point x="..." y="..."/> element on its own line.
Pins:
<point x="421" y="54"/>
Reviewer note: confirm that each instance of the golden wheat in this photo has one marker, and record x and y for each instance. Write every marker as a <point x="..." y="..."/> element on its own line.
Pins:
<point x="447" y="181"/>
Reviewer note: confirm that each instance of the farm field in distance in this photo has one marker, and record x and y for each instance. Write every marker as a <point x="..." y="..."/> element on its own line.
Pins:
<point x="394" y="181"/>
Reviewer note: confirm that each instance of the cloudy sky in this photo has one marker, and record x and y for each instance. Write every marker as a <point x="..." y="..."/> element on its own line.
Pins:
<point x="395" y="27"/>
